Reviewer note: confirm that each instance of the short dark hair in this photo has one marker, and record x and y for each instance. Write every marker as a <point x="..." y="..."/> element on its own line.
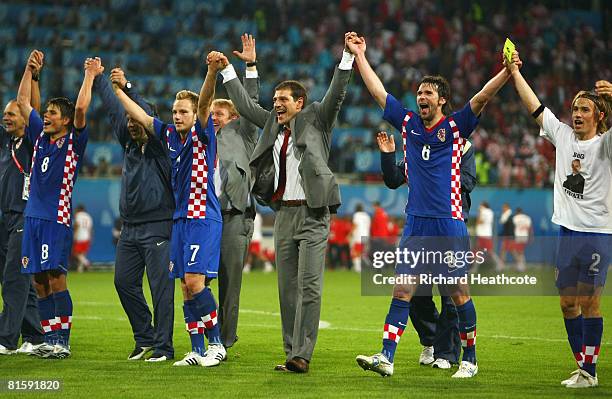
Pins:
<point x="442" y="87"/>
<point x="297" y="89"/>
<point x="65" y="106"/>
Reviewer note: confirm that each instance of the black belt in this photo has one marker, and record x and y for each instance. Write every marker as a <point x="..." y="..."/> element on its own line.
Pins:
<point x="293" y="203"/>
<point x="232" y="211"/>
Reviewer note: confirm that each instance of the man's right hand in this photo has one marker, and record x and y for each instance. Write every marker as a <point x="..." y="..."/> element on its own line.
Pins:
<point x="118" y="78"/>
<point x="35" y="62"/>
<point x="216" y="61"/>
<point x="354" y="44"/>
<point x="385" y="143"/>
<point x="604" y="88"/>
<point x="516" y="63"/>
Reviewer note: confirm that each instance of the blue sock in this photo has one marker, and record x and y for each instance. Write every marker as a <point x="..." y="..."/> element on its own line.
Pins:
<point x="46" y="311"/>
<point x="63" y="315"/>
<point x="574" y="336"/>
<point x="207" y="311"/>
<point x="592" y="329"/>
<point x="467" y="330"/>
<point x="395" y="323"/>
<point x="195" y="327"/>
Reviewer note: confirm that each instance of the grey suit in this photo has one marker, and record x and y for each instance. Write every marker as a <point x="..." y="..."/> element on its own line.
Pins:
<point x="236" y="142"/>
<point x="300" y="233"/>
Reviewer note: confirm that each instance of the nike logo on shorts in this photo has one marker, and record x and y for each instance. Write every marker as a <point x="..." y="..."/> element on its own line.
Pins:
<point x="191" y="263"/>
<point x="160" y="243"/>
<point x="19" y="230"/>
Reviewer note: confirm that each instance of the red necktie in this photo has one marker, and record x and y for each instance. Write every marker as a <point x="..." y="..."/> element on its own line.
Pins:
<point x="282" y="166"/>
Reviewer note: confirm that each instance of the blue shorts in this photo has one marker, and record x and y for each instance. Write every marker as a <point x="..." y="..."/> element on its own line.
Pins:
<point x="582" y="257"/>
<point x="195" y="247"/>
<point x="434" y="246"/>
<point x="46" y="246"/>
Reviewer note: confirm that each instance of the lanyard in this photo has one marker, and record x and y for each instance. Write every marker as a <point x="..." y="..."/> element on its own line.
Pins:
<point x="15" y="158"/>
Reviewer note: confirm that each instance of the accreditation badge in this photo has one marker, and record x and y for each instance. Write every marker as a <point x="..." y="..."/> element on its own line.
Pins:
<point x="25" y="194"/>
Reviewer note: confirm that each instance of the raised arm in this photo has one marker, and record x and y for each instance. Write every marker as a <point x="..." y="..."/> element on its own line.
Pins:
<point x="489" y="90"/>
<point x="528" y="97"/>
<point x="604" y="89"/>
<point x="93" y="68"/>
<point x="207" y="92"/>
<point x="245" y="105"/>
<point x="334" y="97"/>
<point x="133" y="110"/>
<point x="36" y="66"/>
<point x="357" y="46"/>
<point x="251" y="84"/>
<point x="24" y="94"/>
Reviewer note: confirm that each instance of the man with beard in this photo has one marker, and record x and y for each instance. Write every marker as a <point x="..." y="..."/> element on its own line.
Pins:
<point x="433" y="143"/>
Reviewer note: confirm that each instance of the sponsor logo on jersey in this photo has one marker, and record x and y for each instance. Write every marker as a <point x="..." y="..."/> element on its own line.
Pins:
<point x="442" y="135"/>
<point x="24" y="261"/>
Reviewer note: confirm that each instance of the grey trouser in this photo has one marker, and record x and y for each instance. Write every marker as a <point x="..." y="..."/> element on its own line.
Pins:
<point x="300" y="240"/>
<point x="20" y="304"/>
<point x="237" y="233"/>
<point x="140" y="246"/>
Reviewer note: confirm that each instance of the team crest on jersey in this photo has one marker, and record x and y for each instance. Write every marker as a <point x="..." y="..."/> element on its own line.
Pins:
<point x="24" y="261"/>
<point x="171" y="266"/>
<point x="60" y="142"/>
<point x="442" y="135"/>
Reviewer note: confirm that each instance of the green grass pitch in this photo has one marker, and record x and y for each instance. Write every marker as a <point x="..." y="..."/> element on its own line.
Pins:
<point x="522" y="351"/>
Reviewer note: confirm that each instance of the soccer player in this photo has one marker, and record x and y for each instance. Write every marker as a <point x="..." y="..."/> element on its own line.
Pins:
<point x="196" y="233"/>
<point x="146" y="206"/>
<point x="59" y="144"/>
<point x="236" y="138"/>
<point x="438" y="332"/>
<point x="584" y="214"/>
<point x="433" y="145"/>
<point x="290" y="171"/>
<point x="20" y="307"/>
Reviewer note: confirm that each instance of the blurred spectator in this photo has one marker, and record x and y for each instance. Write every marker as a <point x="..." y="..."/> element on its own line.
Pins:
<point x="523" y="231"/>
<point x="360" y="235"/>
<point x="83" y="234"/>
<point x="339" y="251"/>
<point x="506" y="232"/>
<point x="565" y="44"/>
<point x="256" y="257"/>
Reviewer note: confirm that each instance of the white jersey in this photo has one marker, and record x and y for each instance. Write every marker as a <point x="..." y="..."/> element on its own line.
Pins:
<point x="522" y="227"/>
<point x="361" y="226"/>
<point x="583" y="178"/>
<point x="484" y="224"/>
<point x="83" y="226"/>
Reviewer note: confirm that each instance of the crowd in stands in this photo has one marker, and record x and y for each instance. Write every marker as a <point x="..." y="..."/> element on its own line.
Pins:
<point x="161" y="45"/>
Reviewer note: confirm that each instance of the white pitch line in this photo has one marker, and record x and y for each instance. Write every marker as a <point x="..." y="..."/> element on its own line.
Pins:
<point x="324" y="325"/>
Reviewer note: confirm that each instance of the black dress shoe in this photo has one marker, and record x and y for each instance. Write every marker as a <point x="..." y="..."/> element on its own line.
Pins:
<point x="297" y="365"/>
